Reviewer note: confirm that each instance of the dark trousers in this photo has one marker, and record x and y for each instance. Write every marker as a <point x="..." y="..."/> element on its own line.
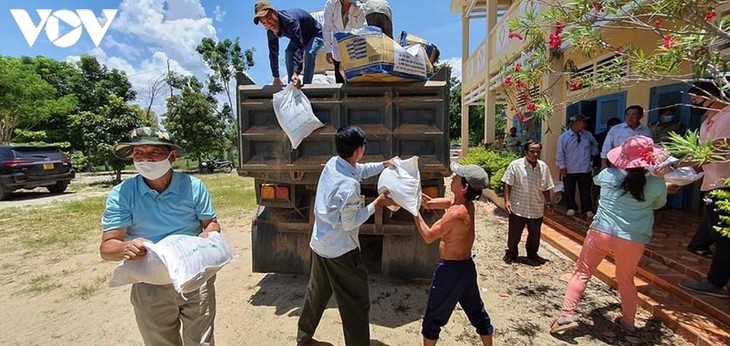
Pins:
<point x="381" y="21"/>
<point x="584" y="182"/>
<point x="347" y="277"/>
<point x="516" y="226"/>
<point x="338" y="75"/>
<point x="454" y="282"/>
<point x="703" y="238"/>
<point x="719" y="274"/>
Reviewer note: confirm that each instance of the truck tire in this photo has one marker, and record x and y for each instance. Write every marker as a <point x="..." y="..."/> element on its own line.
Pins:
<point x="4" y="193"/>
<point x="58" y="187"/>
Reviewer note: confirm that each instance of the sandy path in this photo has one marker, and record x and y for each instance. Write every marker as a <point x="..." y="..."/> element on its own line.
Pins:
<point x="262" y="309"/>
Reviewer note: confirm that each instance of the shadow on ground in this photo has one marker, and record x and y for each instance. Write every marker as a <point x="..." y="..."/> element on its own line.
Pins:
<point x="393" y="303"/>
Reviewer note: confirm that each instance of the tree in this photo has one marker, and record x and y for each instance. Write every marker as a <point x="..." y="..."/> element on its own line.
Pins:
<point x="689" y="36"/>
<point x="225" y="59"/>
<point x="191" y="118"/>
<point x="103" y="129"/>
<point x="476" y="116"/>
<point x="25" y="98"/>
<point x="154" y="90"/>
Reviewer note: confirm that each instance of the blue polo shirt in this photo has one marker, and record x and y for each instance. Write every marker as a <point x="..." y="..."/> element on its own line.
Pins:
<point x="153" y="216"/>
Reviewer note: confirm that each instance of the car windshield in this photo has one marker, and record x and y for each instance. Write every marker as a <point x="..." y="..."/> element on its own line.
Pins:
<point x="37" y="153"/>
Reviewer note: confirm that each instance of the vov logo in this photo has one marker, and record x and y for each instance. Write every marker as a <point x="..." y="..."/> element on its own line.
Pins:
<point x="51" y="20"/>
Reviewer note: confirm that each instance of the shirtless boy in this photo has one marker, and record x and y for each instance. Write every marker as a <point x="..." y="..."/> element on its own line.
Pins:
<point x="455" y="276"/>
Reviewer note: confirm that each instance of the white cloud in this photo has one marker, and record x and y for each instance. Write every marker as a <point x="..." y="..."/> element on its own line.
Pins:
<point x="129" y="50"/>
<point x="455" y="63"/>
<point x="174" y="26"/>
<point x="219" y="14"/>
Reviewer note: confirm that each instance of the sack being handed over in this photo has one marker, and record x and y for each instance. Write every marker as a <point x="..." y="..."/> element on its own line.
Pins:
<point x="403" y="184"/>
<point x="185" y="261"/>
<point x="295" y="115"/>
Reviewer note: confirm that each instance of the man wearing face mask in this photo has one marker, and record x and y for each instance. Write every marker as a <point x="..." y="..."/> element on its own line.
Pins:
<point x="716" y="128"/>
<point x="666" y="124"/>
<point x="305" y="40"/>
<point x="618" y="134"/>
<point x="149" y="207"/>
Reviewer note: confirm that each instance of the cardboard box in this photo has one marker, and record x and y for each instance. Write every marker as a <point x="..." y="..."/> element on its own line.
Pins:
<point x="369" y="56"/>
<point x="432" y="51"/>
<point x="321" y="65"/>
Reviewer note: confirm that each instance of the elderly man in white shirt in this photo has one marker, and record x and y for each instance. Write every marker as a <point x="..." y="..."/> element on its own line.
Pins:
<point x="340" y="15"/>
<point x="576" y="148"/>
<point x="630" y="127"/>
<point x="337" y="264"/>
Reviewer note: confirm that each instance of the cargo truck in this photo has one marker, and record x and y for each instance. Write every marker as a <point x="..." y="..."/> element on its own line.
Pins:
<point x="403" y="119"/>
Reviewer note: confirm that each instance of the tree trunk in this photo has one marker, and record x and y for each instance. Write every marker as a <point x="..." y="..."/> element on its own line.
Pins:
<point x="118" y="178"/>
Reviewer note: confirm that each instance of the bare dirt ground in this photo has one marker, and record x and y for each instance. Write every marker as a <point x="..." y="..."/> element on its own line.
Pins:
<point x="62" y="298"/>
<point x="85" y="185"/>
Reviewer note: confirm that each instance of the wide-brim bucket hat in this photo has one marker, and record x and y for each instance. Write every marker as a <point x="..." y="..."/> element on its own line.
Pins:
<point x="637" y="152"/>
<point x="145" y="136"/>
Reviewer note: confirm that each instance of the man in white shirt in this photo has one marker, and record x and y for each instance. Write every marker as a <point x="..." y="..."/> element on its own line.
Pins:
<point x="340" y="15"/>
<point x="378" y="14"/>
<point x="337" y="264"/>
<point x="576" y="148"/>
<point x="630" y="127"/>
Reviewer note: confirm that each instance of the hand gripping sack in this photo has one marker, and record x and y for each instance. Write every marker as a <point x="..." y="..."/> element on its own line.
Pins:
<point x="294" y="113"/>
<point x="183" y="260"/>
<point x="403" y="184"/>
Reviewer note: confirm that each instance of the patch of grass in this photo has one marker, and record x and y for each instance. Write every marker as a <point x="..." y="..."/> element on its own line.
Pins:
<point x="65" y="224"/>
<point x="41" y="284"/>
<point x="231" y="194"/>
<point x="89" y="290"/>
<point x="57" y="226"/>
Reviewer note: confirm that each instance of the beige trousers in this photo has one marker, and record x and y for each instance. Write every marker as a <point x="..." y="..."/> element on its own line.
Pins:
<point x="160" y="312"/>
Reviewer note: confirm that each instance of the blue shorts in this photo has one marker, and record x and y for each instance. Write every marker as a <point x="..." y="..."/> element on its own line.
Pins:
<point x="454" y="282"/>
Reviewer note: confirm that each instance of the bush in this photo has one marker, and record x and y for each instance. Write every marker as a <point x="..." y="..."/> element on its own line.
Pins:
<point x="495" y="163"/>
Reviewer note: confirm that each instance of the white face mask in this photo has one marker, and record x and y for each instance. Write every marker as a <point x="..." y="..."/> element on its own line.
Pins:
<point x="667" y="118"/>
<point x="153" y="170"/>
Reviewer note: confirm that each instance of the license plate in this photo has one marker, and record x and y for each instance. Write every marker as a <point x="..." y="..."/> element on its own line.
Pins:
<point x="47" y="166"/>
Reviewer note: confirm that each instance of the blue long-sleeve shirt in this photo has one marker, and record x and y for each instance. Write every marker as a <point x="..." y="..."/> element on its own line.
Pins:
<point x="338" y="208"/>
<point x="300" y="27"/>
<point x="573" y="155"/>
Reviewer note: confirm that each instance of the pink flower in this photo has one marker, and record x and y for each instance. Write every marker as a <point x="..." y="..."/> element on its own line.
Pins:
<point x="658" y="21"/>
<point x="559" y="26"/>
<point x="597" y="6"/>
<point x="508" y="81"/>
<point x="531" y="106"/>
<point x="524" y="119"/>
<point x="710" y="16"/>
<point x="518" y="67"/>
<point x="514" y="35"/>
<point x="520" y="84"/>
<point x="669" y="42"/>
<point x="523" y="96"/>
<point x="575" y="84"/>
<point x="555" y="41"/>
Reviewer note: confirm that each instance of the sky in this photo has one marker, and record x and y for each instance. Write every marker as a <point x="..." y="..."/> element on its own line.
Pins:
<point x="146" y="34"/>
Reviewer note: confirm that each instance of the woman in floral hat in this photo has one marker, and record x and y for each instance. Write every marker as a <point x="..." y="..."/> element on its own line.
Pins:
<point x="623" y="224"/>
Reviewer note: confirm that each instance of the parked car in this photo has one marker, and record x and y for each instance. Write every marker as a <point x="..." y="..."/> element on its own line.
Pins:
<point x="28" y="167"/>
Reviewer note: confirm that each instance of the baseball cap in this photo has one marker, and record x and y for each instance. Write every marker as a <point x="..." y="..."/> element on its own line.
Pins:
<point x="475" y="176"/>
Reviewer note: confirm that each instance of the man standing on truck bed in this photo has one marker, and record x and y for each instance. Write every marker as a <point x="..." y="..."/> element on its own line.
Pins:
<point x="305" y="40"/>
<point x="455" y="276"/>
<point x="337" y="264"/>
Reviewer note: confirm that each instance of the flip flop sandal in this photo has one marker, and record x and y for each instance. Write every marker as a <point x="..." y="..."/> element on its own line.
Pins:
<point x="558" y="328"/>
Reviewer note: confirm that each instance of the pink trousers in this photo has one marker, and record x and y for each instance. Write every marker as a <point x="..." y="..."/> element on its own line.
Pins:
<point x="595" y="247"/>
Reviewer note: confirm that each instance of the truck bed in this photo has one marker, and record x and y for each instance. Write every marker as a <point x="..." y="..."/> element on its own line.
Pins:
<point x="404" y="119"/>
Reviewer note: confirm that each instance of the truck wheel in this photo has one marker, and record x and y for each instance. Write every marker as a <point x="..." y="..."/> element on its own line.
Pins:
<point x="4" y="193"/>
<point x="59" y="187"/>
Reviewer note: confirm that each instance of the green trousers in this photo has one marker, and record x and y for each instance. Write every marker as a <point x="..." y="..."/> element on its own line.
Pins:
<point x="347" y="277"/>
